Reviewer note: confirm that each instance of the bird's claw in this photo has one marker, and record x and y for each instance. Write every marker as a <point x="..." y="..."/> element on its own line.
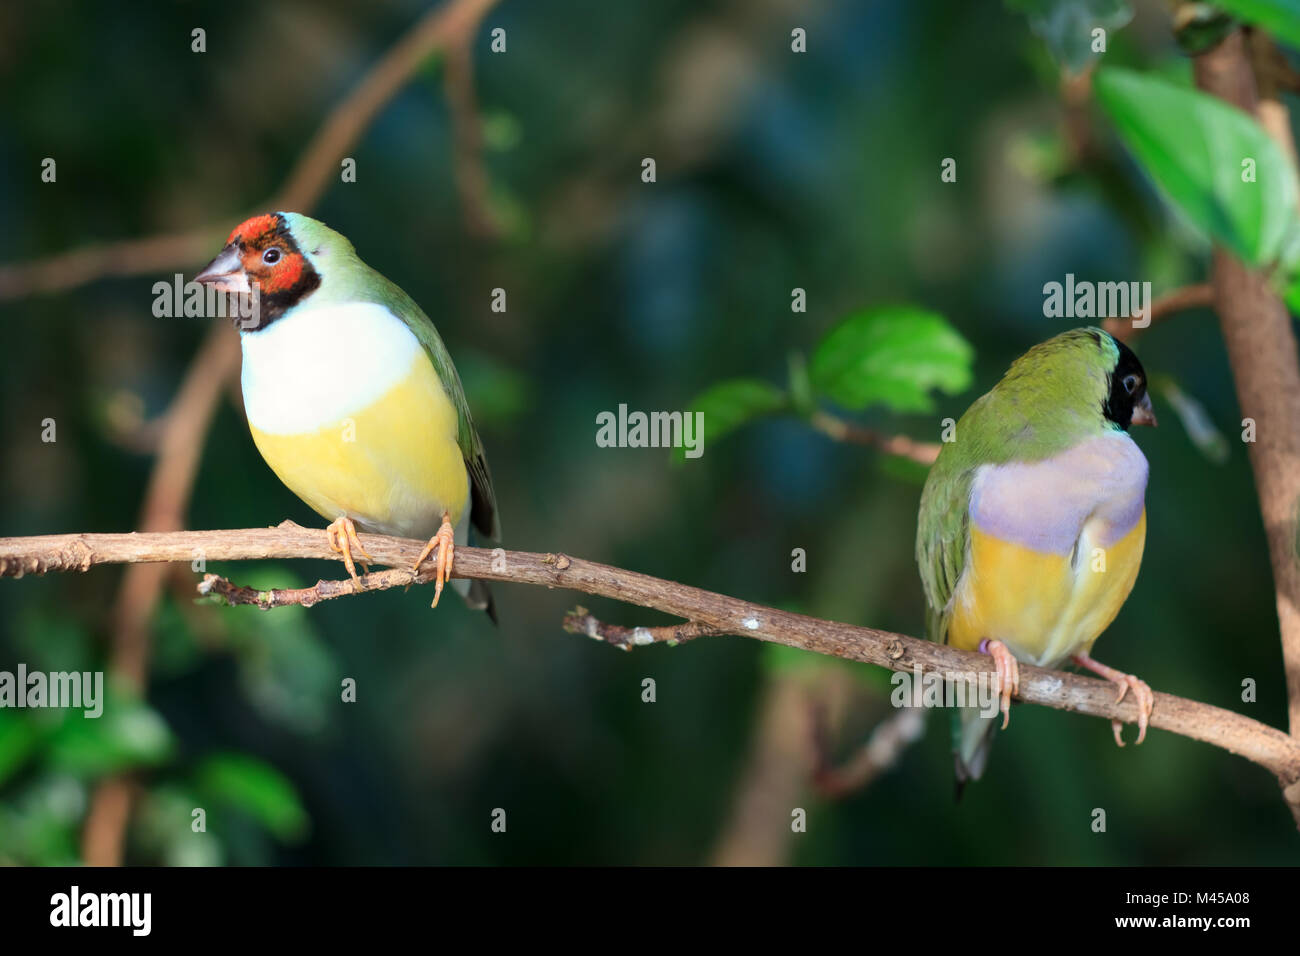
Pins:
<point x="1145" y="698"/>
<point x="445" y="544"/>
<point x="1008" y="669"/>
<point x="342" y="536"/>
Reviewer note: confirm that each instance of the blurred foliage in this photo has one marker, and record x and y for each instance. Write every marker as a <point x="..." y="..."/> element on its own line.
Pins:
<point x="1066" y="26"/>
<point x="777" y="171"/>
<point x="1279" y="17"/>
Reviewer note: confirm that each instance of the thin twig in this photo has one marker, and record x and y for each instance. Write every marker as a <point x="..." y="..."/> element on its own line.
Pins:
<point x="1164" y="306"/>
<point x="581" y="621"/>
<point x="886" y="744"/>
<point x="1198" y="296"/>
<point x="1257" y="742"/>
<point x="467" y="138"/>
<point x="317" y="167"/>
<point x="923" y="452"/>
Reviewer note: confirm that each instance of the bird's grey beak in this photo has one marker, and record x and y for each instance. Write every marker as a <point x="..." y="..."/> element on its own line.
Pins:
<point x="1142" y="413"/>
<point x="226" y="272"/>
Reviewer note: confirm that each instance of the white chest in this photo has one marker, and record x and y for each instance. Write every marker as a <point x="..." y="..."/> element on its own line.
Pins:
<point x="313" y="367"/>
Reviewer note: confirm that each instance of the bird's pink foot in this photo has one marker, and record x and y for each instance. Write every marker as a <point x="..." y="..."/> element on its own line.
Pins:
<point x="1141" y="691"/>
<point x="1008" y="674"/>
<point x="342" y="535"/>
<point x="445" y="543"/>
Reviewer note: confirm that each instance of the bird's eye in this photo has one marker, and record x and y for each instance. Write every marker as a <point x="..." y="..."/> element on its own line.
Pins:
<point x="271" y="256"/>
<point x="1131" y="383"/>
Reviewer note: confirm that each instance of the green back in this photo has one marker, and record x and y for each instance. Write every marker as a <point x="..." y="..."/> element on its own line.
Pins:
<point x="1050" y="399"/>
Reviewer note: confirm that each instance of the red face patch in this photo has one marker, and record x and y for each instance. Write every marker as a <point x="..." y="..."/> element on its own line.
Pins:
<point x="256" y="230"/>
<point x="273" y="263"/>
<point x="279" y="277"/>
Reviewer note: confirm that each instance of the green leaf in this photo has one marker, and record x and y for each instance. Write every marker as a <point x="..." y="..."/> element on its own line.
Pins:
<point x="894" y="356"/>
<point x="735" y="402"/>
<point x="128" y="733"/>
<point x="1279" y="17"/>
<point x="1196" y="147"/>
<point x="801" y="393"/>
<point x="1066" y="25"/>
<point x="256" y="788"/>
<point x="163" y="829"/>
<point x="285" y="669"/>
<point x="41" y="824"/>
<point x="1291" y="294"/>
<point x="17" y="741"/>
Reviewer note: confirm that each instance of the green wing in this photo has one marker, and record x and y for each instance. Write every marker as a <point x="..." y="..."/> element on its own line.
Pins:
<point x="483" y="502"/>
<point x="942" y="537"/>
<point x="1015" y="421"/>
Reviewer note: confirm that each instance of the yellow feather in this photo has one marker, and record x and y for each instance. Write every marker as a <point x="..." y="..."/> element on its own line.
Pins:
<point x="1041" y="605"/>
<point x="393" y="467"/>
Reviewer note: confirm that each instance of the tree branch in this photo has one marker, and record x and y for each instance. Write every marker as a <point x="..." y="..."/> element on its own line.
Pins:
<point x="711" y="613"/>
<point x="837" y="428"/>
<point x="467" y="138"/>
<point x="1261" y="348"/>
<point x="888" y="740"/>
<point x="1171" y="303"/>
<point x="445" y="24"/>
<point x="581" y="621"/>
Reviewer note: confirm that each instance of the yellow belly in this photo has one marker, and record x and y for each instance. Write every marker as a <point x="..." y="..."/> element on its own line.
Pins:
<point x="1039" y="604"/>
<point x="393" y="467"/>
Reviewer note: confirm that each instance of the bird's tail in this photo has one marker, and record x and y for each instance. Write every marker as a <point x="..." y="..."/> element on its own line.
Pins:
<point x="972" y="739"/>
<point x="477" y="595"/>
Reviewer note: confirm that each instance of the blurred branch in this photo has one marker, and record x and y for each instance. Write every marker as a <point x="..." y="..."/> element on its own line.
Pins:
<point x="1273" y="74"/>
<point x="167" y="498"/>
<point x="720" y="614"/>
<point x="758" y="832"/>
<point x="446" y="25"/>
<point x="467" y="137"/>
<point x="886" y="744"/>
<point x="901" y="445"/>
<point x="1076" y="99"/>
<point x="1261" y="346"/>
<point x="799" y="712"/>
<point x="127" y="257"/>
<point x="1196" y="296"/>
<point x="180" y="447"/>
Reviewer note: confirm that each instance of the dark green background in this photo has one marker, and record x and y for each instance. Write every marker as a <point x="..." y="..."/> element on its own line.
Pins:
<point x="776" y="170"/>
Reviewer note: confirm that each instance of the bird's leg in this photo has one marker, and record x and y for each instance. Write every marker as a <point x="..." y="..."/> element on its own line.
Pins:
<point x="342" y="535"/>
<point x="445" y="542"/>
<point x="1008" y="674"/>
<point x="1145" y="699"/>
